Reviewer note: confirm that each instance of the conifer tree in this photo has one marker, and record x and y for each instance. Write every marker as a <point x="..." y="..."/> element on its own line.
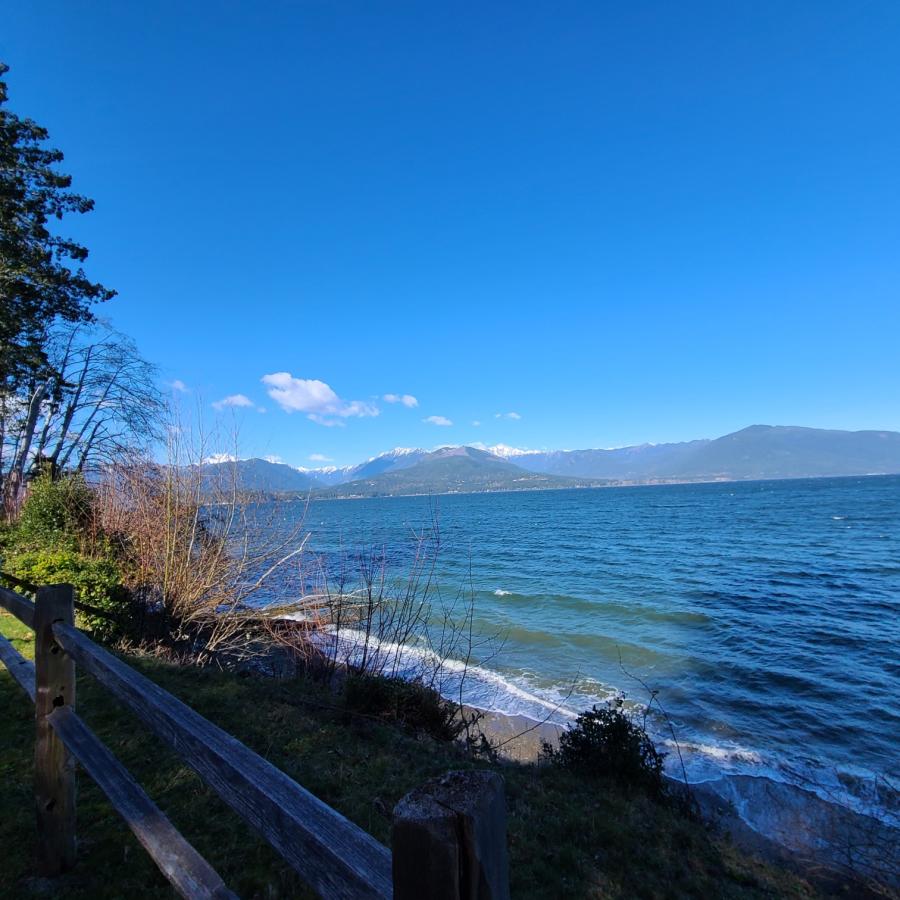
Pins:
<point x="41" y="274"/>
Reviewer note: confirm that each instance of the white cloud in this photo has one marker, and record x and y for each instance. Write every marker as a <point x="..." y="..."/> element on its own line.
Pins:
<point x="437" y="420"/>
<point x="406" y="399"/>
<point x="233" y="400"/>
<point x="179" y="386"/>
<point x="315" y="398"/>
<point x="507" y="415"/>
<point x="319" y="457"/>
<point x="220" y="458"/>
<point x="476" y="423"/>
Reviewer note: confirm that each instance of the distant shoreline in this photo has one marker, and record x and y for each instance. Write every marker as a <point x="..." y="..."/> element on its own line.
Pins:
<point x="317" y="495"/>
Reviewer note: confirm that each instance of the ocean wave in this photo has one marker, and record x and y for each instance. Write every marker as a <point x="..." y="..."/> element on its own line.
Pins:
<point x="454" y="679"/>
<point x="720" y="752"/>
<point x="520" y="695"/>
<point x="860" y="793"/>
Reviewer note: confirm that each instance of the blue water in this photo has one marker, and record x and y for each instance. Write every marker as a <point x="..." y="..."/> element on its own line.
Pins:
<point x="766" y="614"/>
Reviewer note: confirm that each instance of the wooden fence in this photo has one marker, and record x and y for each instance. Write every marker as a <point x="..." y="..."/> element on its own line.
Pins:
<point x="448" y="837"/>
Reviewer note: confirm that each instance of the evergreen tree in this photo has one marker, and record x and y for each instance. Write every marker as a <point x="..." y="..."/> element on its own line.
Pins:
<point x="41" y="278"/>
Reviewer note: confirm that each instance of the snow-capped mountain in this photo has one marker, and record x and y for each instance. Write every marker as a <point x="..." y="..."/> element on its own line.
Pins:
<point x="760" y="451"/>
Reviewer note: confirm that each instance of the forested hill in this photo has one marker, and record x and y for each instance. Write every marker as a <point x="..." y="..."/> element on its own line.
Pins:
<point x="757" y="452"/>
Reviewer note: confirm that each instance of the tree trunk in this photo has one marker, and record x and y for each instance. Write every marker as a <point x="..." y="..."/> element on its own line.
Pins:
<point x="17" y="474"/>
<point x="71" y="409"/>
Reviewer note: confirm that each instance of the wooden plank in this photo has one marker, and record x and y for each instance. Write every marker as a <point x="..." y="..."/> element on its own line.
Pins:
<point x="20" y="668"/>
<point x="54" y="766"/>
<point x="15" y="581"/>
<point x="449" y="839"/>
<point x="95" y="611"/>
<point x="21" y="607"/>
<point x="334" y="856"/>
<point x="191" y="875"/>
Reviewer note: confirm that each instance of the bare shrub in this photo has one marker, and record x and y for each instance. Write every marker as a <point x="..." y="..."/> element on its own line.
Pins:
<point x="200" y="553"/>
<point x="375" y="631"/>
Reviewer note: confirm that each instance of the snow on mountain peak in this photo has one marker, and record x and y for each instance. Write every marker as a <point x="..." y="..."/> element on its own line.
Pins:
<point x="504" y="451"/>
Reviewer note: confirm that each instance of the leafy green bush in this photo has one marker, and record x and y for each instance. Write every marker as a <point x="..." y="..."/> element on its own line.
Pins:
<point x="409" y="703"/>
<point x="606" y="742"/>
<point x="56" y="513"/>
<point x="97" y="582"/>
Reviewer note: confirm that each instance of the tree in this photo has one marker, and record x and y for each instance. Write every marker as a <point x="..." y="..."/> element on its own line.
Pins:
<point x="41" y="279"/>
<point x="99" y="403"/>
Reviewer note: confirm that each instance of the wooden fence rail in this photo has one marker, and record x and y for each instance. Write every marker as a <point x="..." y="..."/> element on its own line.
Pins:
<point x="449" y="836"/>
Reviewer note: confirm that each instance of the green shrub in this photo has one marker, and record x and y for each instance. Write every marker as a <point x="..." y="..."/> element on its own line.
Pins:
<point x="56" y="513"/>
<point x="606" y="742"/>
<point x="7" y="540"/>
<point x="97" y="582"/>
<point x="411" y="704"/>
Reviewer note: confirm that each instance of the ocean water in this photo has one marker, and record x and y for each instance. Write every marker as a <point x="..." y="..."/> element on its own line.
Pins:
<point x="766" y="615"/>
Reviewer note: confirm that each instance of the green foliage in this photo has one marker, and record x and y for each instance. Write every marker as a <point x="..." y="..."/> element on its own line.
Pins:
<point x="606" y="742"/>
<point x="8" y="536"/>
<point x="97" y="582"/>
<point x="56" y="513"/>
<point x="412" y="704"/>
<point x="53" y="543"/>
<point x="40" y="273"/>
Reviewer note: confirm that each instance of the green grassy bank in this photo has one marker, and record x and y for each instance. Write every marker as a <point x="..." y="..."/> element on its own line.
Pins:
<point x="569" y="837"/>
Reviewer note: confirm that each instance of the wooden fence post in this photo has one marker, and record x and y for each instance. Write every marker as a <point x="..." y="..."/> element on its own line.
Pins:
<point x="54" y="766"/>
<point x="449" y="839"/>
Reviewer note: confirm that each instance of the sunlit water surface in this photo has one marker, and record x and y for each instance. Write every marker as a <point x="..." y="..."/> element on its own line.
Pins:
<point x="766" y="614"/>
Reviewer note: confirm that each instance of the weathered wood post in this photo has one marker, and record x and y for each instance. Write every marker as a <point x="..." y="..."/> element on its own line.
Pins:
<point x="54" y="766"/>
<point x="449" y="839"/>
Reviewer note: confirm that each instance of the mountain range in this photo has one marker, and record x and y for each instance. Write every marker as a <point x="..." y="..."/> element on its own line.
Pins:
<point x="757" y="452"/>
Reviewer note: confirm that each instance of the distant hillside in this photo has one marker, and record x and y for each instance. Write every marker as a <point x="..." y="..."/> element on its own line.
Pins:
<point x="622" y="464"/>
<point x="765" y="451"/>
<point x="392" y="461"/>
<point x="760" y="451"/>
<point x="398" y="458"/>
<point x="448" y="470"/>
<point x="256" y="476"/>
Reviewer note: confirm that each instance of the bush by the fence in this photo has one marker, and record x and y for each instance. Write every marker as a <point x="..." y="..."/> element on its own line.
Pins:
<point x="56" y="513"/>
<point x="96" y="581"/>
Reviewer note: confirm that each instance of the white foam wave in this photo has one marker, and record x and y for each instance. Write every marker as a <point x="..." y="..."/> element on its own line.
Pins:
<point x="517" y="695"/>
<point x="719" y="752"/>
<point x="455" y="679"/>
<point x="501" y="593"/>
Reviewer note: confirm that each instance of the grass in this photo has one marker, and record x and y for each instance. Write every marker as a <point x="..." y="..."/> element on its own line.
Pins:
<point x="568" y="837"/>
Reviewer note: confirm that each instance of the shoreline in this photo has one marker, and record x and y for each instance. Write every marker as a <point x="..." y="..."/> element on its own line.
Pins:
<point x="315" y="495"/>
<point x="783" y="823"/>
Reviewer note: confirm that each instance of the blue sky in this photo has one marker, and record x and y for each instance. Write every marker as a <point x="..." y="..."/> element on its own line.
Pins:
<point x="621" y="222"/>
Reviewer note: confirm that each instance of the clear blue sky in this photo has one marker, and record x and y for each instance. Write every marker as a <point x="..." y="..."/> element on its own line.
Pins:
<point x="622" y="222"/>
